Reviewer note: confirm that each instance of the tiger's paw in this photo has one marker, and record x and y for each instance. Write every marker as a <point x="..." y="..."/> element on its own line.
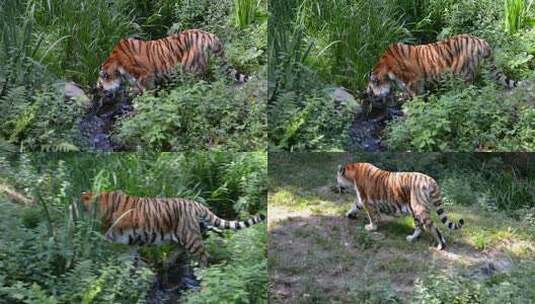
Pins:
<point x="415" y="235"/>
<point x="351" y="214"/>
<point x="441" y="246"/>
<point x="411" y="238"/>
<point x="370" y="227"/>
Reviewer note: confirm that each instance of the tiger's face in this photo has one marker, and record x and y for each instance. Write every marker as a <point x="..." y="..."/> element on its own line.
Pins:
<point x="379" y="86"/>
<point x="343" y="183"/>
<point x="87" y="200"/>
<point x="109" y="83"/>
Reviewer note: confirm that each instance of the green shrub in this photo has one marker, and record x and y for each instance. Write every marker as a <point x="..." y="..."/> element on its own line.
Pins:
<point x="466" y="119"/>
<point x="87" y="30"/>
<point x="309" y="122"/>
<point x="198" y="116"/>
<point x="39" y="120"/>
<point x="458" y="190"/>
<point x="512" y="287"/>
<point x="517" y="14"/>
<point x="244" y="12"/>
<point x="244" y="278"/>
<point x="340" y="32"/>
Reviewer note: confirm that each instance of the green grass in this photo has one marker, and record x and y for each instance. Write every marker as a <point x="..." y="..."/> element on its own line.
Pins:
<point x="317" y="252"/>
<point x="517" y="14"/>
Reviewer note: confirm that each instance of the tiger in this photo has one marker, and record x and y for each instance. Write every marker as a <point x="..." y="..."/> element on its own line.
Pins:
<point x="139" y="221"/>
<point x="411" y="67"/>
<point x="141" y="63"/>
<point x="395" y="193"/>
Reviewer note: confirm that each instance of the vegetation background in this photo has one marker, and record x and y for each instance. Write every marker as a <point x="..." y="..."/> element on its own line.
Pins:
<point x="317" y="255"/>
<point x="316" y="46"/>
<point x="45" y="259"/>
<point x="45" y="43"/>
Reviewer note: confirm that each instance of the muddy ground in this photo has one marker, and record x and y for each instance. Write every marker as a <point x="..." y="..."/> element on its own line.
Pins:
<point x="97" y="125"/>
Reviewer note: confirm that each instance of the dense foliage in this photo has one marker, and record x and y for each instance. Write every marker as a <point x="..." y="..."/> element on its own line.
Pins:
<point x="45" y="43"/>
<point x="315" y="46"/>
<point x="44" y="258"/>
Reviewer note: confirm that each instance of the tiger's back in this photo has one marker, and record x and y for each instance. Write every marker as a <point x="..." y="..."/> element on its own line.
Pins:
<point x="141" y="63"/>
<point x="411" y="67"/>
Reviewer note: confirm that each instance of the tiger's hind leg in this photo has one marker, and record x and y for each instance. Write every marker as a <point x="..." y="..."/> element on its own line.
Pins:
<point x="417" y="231"/>
<point x="192" y="241"/>
<point x="430" y="227"/>
<point x="422" y="216"/>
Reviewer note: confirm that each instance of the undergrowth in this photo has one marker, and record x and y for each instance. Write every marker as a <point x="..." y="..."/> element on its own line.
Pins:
<point x="46" y="258"/>
<point x="314" y="46"/>
<point x="45" y="44"/>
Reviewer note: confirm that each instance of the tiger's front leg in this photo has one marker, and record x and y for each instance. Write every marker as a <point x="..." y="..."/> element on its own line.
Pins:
<point x="352" y="213"/>
<point x="373" y="216"/>
<point x="357" y="204"/>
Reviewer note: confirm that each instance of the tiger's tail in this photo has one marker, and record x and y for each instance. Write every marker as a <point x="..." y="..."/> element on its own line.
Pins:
<point x="498" y="75"/>
<point x="235" y="225"/>
<point x="501" y="78"/>
<point x="436" y="199"/>
<point x="218" y="50"/>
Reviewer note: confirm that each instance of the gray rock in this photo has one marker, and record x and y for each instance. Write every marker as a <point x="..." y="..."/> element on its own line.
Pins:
<point x="73" y="92"/>
<point x="340" y="94"/>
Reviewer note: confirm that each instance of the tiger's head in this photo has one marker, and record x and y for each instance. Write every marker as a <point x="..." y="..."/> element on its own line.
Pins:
<point x="109" y="81"/>
<point x="87" y="199"/>
<point x="379" y="85"/>
<point x="343" y="181"/>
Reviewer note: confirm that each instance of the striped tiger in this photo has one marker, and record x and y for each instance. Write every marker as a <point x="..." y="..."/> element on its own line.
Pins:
<point x="411" y="67"/>
<point x="379" y="191"/>
<point x="139" y="221"/>
<point x="141" y="63"/>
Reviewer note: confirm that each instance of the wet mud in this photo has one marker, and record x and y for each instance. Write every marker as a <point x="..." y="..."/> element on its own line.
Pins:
<point x="367" y="129"/>
<point x="172" y="282"/>
<point x="96" y="126"/>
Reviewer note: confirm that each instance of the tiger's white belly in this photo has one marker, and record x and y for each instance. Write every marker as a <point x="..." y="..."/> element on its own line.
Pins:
<point x="138" y="237"/>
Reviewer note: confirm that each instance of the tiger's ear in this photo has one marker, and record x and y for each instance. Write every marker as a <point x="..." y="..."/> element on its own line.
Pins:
<point x="341" y="169"/>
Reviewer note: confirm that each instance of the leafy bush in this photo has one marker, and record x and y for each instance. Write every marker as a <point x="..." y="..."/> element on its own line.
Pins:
<point x="39" y="120"/>
<point x="512" y="287"/>
<point x="244" y="12"/>
<point x="86" y="31"/>
<point x="198" y="116"/>
<point x="516" y="14"/>
<point x="244" y="278"/>
<point x="309" y="122"/>
<point x="467" y="119"/>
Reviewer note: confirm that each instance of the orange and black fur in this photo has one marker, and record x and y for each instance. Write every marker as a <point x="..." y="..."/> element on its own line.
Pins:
<point x="411" y="67"/>
<point x="379" y="191"/>
<point x="141" y="63"/>
<point x="142" y="221"/>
